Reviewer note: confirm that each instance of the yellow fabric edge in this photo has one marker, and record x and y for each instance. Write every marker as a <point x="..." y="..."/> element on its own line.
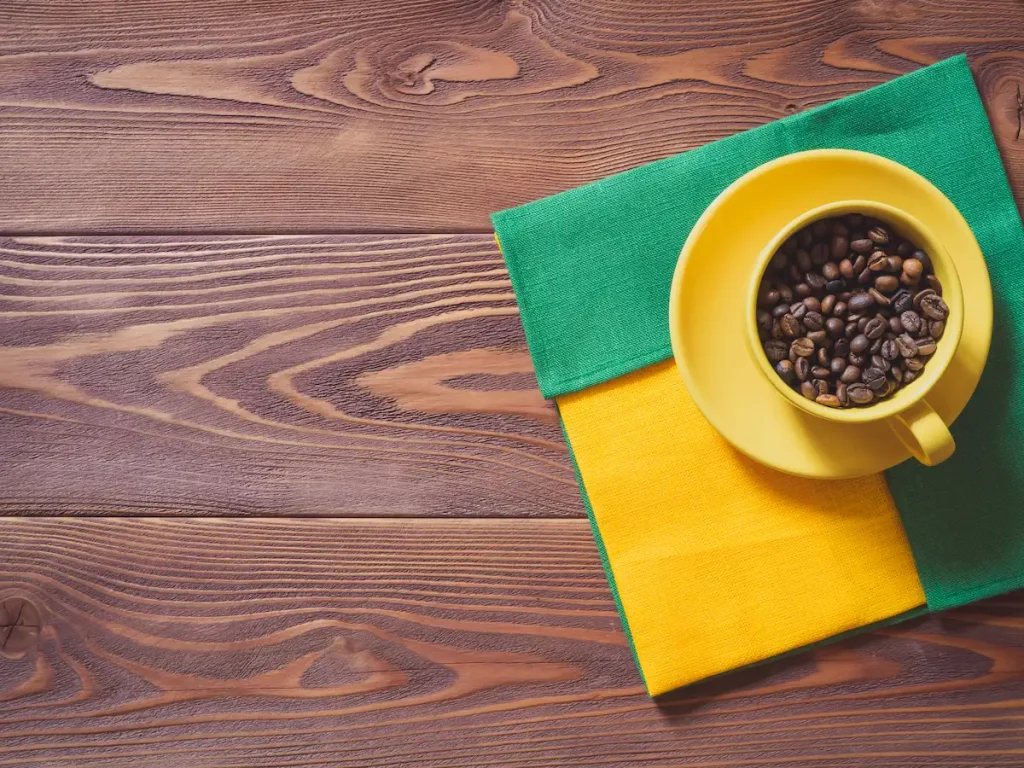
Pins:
<point x="719" y="561"/>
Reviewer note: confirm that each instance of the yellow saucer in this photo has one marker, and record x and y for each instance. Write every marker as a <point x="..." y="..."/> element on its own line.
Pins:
<point x="708" y="310"/>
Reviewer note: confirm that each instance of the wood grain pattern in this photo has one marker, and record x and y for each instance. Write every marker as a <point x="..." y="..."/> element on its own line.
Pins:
<point x="454" y="643"/>
<point x="354" y="375"/>
<point x="242" y="116"/>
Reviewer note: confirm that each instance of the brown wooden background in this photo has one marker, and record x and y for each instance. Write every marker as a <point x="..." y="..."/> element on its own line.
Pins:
<point x="246" y="272"/>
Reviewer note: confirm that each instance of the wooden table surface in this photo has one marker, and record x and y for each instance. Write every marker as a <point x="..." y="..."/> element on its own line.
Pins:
<point x="277" y="485"/>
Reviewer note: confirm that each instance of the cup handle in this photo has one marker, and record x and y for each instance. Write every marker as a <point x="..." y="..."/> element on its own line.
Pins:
<point x="924" y="433"/>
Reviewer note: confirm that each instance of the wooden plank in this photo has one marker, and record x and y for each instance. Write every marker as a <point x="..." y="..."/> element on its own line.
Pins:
<point x="423" y="115"/>
<point x="353" y="375"/>
<point x="426" y="643"/>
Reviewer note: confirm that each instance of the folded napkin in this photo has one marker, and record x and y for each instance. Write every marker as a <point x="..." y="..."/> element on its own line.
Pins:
<point x="715" y="561"/>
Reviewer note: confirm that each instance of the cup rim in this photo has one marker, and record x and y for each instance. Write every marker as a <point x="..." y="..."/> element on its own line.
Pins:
<point x="952" y="293"/>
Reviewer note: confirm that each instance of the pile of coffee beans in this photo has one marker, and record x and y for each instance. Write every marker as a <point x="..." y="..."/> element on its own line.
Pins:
<point x="848" y="312"/>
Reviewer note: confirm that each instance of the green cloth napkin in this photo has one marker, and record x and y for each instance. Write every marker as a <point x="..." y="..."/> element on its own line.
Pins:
<point x="591" y="269"/>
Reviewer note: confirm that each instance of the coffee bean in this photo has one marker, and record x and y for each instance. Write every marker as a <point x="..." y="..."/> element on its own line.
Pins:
<point x="833" y="286"/>
<point x="764" y="322"/>
<point x="906" y="345"/>
<point x="821" y="386"/>
<point x="798" y="310"/>
<point x="859" y="360"/>
<point x="791" y="327"/>
<point x="936" y="328"/>
<point x="878" y="235"/>
<point x="803" y="261"/>
<point x="821" y="228"/>
<point x="775" y="350"/>
<point x="897" y="374"/>
<point x="879" y="362"/>
<point x="874" y="378"/>
<point x="802" y="289"/>
<point x="786" y="371"/>
<point x="840" y="308"/>
<point x="815" y="281"/>
<point x="820" y="338"/>
<point x="834" y="327"/>
<point x="842" y="394"/>
<point x="915" y="364"/>
<point x="819" y="254"/>
<point x="911" y="321"/>
<point x="878" y="262"/>
<point x="913" y="269"/>
<point x="780" y="260"/>
<point x="902" y="300"/>
<point x="812" y="304"/>
<point x="846" y="268"/>
<point x="887" y="283"/>
<point x="830" y="270"/>
<point x="876" y="347"/>
<point x="865" y="277"/>
<point x="819" y="372"/>
<point x="934" y="284"/>
<point x="841" y="347"/>
<point x="859" y="344"/>
<point x="802" y="368"/>
<point x="823" y="357"/>
<point x="803" y="347"/>
<point x="808" y="390"/>
<point x="806" y="237"/>
<point x="830" y="401"/>
<point x="859" y="264"/>
<point x="827" y="304"/>
<point x="786" y="293"/>
<point x="926" y="348"/>
<point x="890" y="351"/>
<point x="837" y="365"/>
<point x="850" y="374"/>
<point x="921" y="296"/>
<point x="895" y="265"/>
<point x="908" y="377"/>
<point x="906" y="280"/>
<point x="880" y="298"/>
<point x="905" y="249"/>
<point x="875" y="327"/>
<point x="861" y="246"/>
<point x="780" y="311"/>
<point x="895" y="325"/>
<point x="860" y="394"/>
<point x="934" y="308"/>
<point x="861" y="301"/>
<point x="854" y="219"/>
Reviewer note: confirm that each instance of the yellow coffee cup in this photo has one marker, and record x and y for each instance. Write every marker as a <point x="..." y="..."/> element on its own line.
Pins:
<point x="906" y="411"/>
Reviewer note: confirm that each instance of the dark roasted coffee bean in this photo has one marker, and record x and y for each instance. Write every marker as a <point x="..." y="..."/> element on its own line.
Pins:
<point x="906" y="345"/>
<point x="837" y="366"/>
<point x="840" y="308"/>
<point x="833" y="287"/>
<point x="841" y="348"/>
<point x="794" y="273"/>
<point x="934" y="308"/>
<point x="803" y="347"/>
<point x="865" y="277"/>
<point x="862" y="324"/>
<point x="904" y="249"/>
<point x="786" y="371"/>
<point x="859" y="264"/>
<point x="808" y="390"/>
<point x="786" y="293"/>
<point x="821" y="228"/>
<point x="923" y="257"/>
<point x="878" y="261"/>
<point x="820" y="338"/>
<point x="819" y="372"/>
<point x="767" y="296"/>
<point x="895" y="325"/>
<point x="895" y="265"/>
<point x="936" y="328"/>
<point x="823" y="357"/>
<point x="889" y="350"/>
<point x="812" y="304"/>
<point x="830" y="270"/>
<point x="854" y="219"/>
<point x="780" y="260"/>
<point x="803" y="261"/>
<point x="834" y="327"/>
<point x="915" y="364"/>
<point x="815" y="281"/>
<point x="861" y="301"/>
<point x="859" y="360"/>
<point x="921" y="296"/>
<point x="791" y="327"/>
<point x="897" y="374"/>
<point x="827" y="304"/>
<point x="875" y="379"/>
<point x="879" y="362"/>
<point x="850" y="374"/>
<point x="876" y="347"/>
<point x="775" y="350"/>
<point x="911" y="321"/>
<point x="798" y="310"/>
<point x="829" y="401"/>
<point x="776" y="332"/>
<point x="926" y="347"/>
<point x="822" y="386"/>
<point x="909" y="377"/>
<point x="861" y="246"/>
<point x="780" y="311"/>
<point x="764" y="322"/>
<point x="839" y="228"/>
<point x="902" y="300"/>
<point x="880" y="298"/>
<point x="887" y="283"/>
<point x="802" y="290"/>
<point x="805" y="237"/>
<point x="819" y="254"/>
<point x="842" y="394"/>
<point x="860" y="394"/>
<point x="878" y="235"/>
<point x="933" y="283"/>
<point x="846" y="269"/>
<point x="802" y="368"/>
<point x="913" y="269"/>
